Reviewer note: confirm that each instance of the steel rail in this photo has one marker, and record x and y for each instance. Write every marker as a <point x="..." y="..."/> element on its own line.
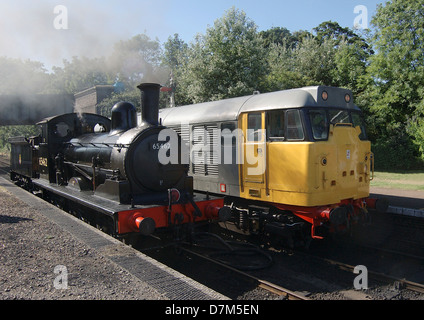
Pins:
<point x="271" y="287"/>
<point x="381" y="277"/>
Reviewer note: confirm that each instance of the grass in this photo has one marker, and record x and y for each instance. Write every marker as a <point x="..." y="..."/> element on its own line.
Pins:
<point x="408" y="180"/>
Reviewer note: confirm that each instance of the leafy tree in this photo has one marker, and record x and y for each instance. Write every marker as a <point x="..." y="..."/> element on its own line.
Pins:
<point x="279" y="36"/>
<point x="332" y="30"/>
<point x="350" y="67"/>
<point x="226" y="62"/>
<point x="175" y="51"/>
<point x="397" y="70"/>
<point x="80" y="74"/>
<point x="309" y="63"/>
<point x="283" y="73"/>
<point x="335" y="56"/>
<point x="175" y="57"/>
<point x="12" y="131"/>
<point x="23" y="77"/>
<point x="138" y="60"/>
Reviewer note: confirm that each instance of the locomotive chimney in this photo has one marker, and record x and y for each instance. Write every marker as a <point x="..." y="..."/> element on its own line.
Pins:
<point x="150" y="102"/>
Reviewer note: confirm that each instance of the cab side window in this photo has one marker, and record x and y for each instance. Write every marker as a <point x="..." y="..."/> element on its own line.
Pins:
<point x="294" y="126"/>
<point x="275" y="125"/>
<point x="254" y="127"/>
<point x="358" y="120"/>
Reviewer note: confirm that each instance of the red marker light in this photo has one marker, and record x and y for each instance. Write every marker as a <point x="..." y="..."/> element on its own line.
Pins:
<point x="223" y="188"/>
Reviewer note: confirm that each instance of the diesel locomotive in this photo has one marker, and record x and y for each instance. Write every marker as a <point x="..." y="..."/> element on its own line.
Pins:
<point x="286" y="162"/>
<point x="107" y="172"/>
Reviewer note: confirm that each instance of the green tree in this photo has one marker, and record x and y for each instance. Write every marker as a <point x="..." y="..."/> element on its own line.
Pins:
<point x="225" y="62"/>
<point x="279" y="36"/>
<point x="397" y="71"/>
<point x="334" y="56"/>
<point x="174" y="52"/>
<point x="175" y="58"/>
<point x="137" y="60"/>
<point x="283" y="73"/>
<point x="80" y="74"/>
<point x="23" y="77"/>
<point x="332" y="30"/>
<point x="12" y="131"/>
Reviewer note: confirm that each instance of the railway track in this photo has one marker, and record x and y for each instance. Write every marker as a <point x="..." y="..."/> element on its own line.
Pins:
<point x="376" y="276"/>
<point x="324" y="271"/>
<point x="266" y="285"/>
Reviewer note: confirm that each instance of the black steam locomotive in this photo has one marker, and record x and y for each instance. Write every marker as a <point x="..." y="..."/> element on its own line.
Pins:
<point x="108" y="172"/>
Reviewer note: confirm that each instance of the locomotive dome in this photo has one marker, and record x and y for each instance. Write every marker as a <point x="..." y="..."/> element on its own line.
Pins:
<point x="124" y="117"/>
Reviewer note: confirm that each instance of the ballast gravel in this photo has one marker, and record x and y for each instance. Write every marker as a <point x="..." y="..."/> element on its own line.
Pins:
<point x="41" y="261"/>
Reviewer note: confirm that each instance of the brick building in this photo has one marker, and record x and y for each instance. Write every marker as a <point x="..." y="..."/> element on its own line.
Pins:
<point x="87" y="101"/>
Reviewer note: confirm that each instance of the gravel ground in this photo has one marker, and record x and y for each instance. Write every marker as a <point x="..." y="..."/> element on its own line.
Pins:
<point x="31" y="247"/>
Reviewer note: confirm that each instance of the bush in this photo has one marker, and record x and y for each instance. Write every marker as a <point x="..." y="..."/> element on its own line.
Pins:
<point x="12" y="131"/>
<point x="396" y="153"/>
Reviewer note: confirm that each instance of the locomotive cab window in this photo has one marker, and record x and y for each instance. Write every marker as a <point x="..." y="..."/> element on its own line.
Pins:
<point x="254" y="127"/>
<point x="275" y="127"/>
<point x="358" y="120"/>
<point x="294" y="126"/>
<point x="61" y="130"/>
<point x="339" y="116"/>
<point x="320" y="121"/>
<point x="319" y="124"/>
<point x="100" y="128"/>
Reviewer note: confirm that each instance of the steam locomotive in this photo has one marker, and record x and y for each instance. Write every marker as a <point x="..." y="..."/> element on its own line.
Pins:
<point x="107" y="172"/>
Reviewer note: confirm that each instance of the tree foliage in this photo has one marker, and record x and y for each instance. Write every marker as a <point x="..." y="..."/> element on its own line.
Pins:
<point x="19" y="77"/>
<point x="225" y="62"/>
<point x="397" y="72"/>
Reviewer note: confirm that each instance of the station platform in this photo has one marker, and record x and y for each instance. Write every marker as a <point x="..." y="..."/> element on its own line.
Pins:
<point x="413" y="199"/>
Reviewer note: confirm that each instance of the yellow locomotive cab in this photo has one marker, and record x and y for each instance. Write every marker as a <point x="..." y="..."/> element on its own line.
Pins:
<point x="308" y="173"/>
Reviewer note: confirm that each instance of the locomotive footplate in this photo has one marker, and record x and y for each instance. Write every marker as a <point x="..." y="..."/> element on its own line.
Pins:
<point x="126" y="219"/>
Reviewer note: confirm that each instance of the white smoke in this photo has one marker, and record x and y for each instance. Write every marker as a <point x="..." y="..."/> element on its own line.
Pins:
<point x="29" y="29"/>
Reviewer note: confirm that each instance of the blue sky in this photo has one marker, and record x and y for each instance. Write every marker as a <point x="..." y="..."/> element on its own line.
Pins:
<point x="293" y="14"/>
<point x="27" y="26"/>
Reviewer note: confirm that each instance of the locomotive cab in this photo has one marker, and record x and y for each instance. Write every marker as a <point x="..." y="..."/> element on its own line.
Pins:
<point x="57" y="132"/>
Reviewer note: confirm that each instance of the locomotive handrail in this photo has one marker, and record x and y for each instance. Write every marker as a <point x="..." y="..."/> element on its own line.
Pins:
<point x="79" y="166"/>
